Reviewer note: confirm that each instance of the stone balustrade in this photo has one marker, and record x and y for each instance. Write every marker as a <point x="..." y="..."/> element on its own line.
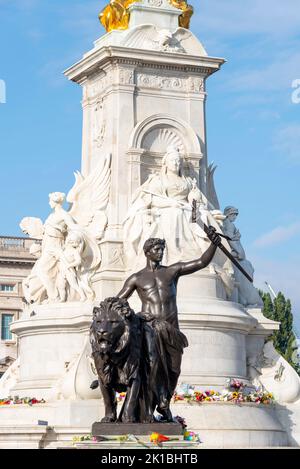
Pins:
<point x="13" y="243"/>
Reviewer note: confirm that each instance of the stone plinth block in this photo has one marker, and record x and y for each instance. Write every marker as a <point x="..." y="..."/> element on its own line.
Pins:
<point x="140" y="444"/>
<point x="54" y="353"/>
<point x="105" y="429"/>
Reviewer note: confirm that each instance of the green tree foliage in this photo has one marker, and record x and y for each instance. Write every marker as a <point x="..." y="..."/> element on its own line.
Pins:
<point x="285" y="341"/>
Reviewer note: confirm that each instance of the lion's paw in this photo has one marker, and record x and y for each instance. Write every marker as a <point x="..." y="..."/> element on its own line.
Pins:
<point x="109" y="419"/>
<point x="128" y="419"/>
<point x="149" y="420"/>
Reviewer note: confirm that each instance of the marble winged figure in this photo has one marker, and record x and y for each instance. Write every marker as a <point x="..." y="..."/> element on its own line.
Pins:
<point x="67" y="244"/>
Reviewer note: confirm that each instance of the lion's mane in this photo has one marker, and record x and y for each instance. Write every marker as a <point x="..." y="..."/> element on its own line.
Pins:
<point x="121" y="365"/>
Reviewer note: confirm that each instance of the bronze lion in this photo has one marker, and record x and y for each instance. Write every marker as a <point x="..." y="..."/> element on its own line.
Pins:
<point x="116" y="340"/>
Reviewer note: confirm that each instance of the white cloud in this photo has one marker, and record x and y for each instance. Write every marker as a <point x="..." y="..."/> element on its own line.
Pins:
<point x="262" y="36"/>
<point x="287" y="142"/>
<point x="276" y="75"/>
<point x="278" y="235"/>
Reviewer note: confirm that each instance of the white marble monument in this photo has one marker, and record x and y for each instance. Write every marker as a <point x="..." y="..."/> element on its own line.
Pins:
<point x="144" y="166"/>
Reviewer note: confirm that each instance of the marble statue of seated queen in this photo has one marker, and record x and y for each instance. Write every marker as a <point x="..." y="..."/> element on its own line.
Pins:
<point x="162" y="208"/>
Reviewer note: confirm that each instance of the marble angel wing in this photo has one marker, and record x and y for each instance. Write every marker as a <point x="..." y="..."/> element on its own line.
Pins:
<point x="89" y="198"/>
<point x="32" y="227"/>
<point x="211" y="190"/>
<point x="142" y="37"/>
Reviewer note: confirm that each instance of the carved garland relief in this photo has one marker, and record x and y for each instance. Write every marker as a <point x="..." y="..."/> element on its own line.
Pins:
<point x="146" y="80"/>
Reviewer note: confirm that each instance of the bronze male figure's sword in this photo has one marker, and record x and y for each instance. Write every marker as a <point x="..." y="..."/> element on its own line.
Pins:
<point x="227" y="253"/>
<point x="223" y="249"/>
<point x="206" y="229"/>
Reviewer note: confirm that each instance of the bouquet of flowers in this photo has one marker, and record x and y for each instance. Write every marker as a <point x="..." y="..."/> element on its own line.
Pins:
<point x="235" y="392"/>
<point x="23" y="400"/>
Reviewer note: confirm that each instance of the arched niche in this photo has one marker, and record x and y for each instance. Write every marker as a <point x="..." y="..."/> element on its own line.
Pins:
<point x="148" y="144"/>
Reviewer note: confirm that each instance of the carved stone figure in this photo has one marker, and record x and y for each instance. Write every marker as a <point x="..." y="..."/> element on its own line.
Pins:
<point x="116" y="340"/>
<point x="162" y="207"/>
<point x="69" y="253"/>
<point x="163" y="345"/>
<point x="269" y="370"/>
<point x="71" y="271"/>
<point x="248" y="294"/>
<point x="40" y="284"/>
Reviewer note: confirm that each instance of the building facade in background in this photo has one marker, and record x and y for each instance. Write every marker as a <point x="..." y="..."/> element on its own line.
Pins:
<point x="16" y="263"/>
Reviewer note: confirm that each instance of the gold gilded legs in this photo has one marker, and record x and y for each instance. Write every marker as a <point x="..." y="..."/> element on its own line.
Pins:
<point x="116" y="15"/>
<point x="187" y="12"/>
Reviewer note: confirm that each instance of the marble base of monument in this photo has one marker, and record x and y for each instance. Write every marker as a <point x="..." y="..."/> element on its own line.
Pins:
<point x="139" y="444"/>
<point x="219" y="425"/>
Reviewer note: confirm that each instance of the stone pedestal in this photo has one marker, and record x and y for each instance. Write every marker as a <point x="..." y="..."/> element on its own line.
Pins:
<point x="161" y="13"/>
<point x="108" y="429"/>
<point x="55" y="352"/>
<point x="227" y="425"/>
<point x="64" y="413"/>
<point x="54" y="365"/>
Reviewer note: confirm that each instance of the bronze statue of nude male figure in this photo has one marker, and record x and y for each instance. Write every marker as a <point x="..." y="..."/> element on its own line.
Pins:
<point x="163" y="342"/>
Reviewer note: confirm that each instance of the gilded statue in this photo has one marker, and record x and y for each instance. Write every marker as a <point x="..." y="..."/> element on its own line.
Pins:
<point x="187" y="12"/>
<point x="116" y="14"/>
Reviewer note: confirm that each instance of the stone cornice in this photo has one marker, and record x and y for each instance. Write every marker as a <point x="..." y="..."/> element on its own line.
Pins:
<point x="97" y="58"/>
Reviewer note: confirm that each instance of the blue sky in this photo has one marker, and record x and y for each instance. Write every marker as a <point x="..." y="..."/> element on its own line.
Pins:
<point x="253" y="124"/>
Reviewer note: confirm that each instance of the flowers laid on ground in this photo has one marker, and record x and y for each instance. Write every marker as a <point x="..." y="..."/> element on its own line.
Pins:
<point x="191" y="436"/>
<point x="158" y="438"/>
<point x="23" y="400"/>
<point x="235" y="392"/>
<point x="81" y="439"/>
<point x="121" y="396"/>
<point x="94" y="439"/>
<point x="235" y="384"/>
